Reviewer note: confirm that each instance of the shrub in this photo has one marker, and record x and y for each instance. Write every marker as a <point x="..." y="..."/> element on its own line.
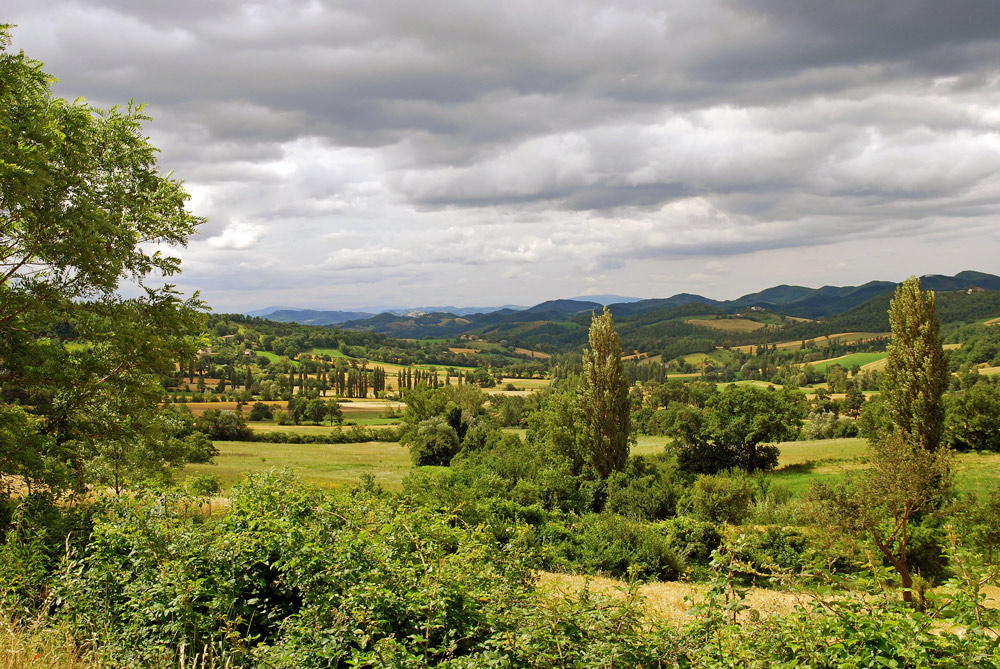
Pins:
<point x="617" y="546"/>
<point x="641" y="491"/>
<point x="826" y="425"/>
<point x="692" y="538"/>
<point x="723" y="498"/>
<point x="224" y="425"/>
<point x="434" y="443"/>
<point x="261" y="411"/>
<point x="772" y="550"/>
<point x="203" y="484"/>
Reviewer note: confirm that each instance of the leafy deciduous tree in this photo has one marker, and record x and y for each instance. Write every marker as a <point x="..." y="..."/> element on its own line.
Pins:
<point x="738" y="429"/>
<point x="83" y="208"/>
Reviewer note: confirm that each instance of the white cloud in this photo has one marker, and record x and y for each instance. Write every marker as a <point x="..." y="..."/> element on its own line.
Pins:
<point x="237" y="236"/>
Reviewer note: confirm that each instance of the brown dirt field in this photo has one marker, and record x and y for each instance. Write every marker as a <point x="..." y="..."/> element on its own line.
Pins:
<point x="455" y="349"/>
<point x="992" y="321"/>
<point x="728" y="324"/>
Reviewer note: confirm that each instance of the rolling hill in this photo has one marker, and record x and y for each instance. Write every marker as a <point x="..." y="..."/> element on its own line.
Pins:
<point x="682" y="323"/>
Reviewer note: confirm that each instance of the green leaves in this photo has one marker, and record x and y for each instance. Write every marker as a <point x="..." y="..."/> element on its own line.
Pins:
<point x="82" y="209"/>
<point x="603" y="399"/>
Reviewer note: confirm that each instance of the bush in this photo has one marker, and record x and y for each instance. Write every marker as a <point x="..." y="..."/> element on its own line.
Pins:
<point x="772" y="550"/>
<point x="694" y="539"/>
<point x="290" y="577"/>
<point x="826" y="425"/>
<point x="203" y="484"/>
<point x="723" y="498"/>
<point x="224" y="425"/>
<point x="261" y="411"/>
<point x="978" y="523"/>
<point x="641" y="491"/>
<point x="613" y="545"/>
<point x="434" y="443"/>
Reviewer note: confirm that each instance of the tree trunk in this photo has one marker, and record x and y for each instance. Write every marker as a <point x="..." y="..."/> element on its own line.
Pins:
<point x="906" y="578"/>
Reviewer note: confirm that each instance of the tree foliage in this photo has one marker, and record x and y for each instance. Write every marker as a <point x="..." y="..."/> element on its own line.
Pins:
<point x="603" y="398"/>
<point x="973" y="419"/>
<point x="738" y="429"/>
<point x="916" y="373"/>
<point x="909" y="473"/>
<point x="84" y="209"/>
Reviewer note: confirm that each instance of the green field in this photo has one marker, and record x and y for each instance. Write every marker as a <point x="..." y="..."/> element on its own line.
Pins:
<point x="332" y="352"/>
<point x="323" y="464"/>
<point x="804" y="462"/>
<point x="728" y="324"/>
<point x="649" y="445"/>
<point x="848" y="361"/>
<point x="717" y="357"/>
<point x="800" y="464"/>
<point x="267" y="354"/>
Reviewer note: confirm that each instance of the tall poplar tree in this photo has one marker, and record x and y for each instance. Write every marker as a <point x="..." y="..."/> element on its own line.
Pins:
<point x="916" y="373"/>
<point x="603" y="398"/>
<point x="910" y="472"/>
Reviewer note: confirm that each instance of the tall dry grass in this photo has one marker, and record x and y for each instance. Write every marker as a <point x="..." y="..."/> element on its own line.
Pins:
<point x="36" y="646"/>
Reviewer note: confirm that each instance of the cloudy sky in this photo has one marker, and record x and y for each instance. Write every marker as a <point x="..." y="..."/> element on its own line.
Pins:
<point x="349" y="154"/>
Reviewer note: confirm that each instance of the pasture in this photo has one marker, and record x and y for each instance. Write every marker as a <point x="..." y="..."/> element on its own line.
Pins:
<point x="841" y="338"/>
<point x="332" y="352"/>
<point x="802" y="463"/>
<point x="717" y="357"/>
<point x="322" y="464"/>
<point x="728" y="324"/>
<point x="848" y="361"/>
<point x="352" y="409"/>
<point x="532" y="354"/>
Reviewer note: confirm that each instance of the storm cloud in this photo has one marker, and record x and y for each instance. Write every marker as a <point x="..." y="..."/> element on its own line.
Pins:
<point x="352" y="154"/>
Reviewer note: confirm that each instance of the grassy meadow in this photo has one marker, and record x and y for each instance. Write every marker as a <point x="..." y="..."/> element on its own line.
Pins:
<point x="720" y="357"/>
<point x="841" y="338"/>
<point x="800" y="464"/>
<point x="728" y="324"/>
<point x="848" y="361"/>
<point x="322" y="464"/>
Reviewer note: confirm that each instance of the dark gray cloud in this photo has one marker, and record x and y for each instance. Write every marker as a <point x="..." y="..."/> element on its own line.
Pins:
<point x="458" y="151"/>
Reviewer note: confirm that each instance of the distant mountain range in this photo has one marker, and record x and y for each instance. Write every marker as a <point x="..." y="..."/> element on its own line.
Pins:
<point x="333" y="317"/>
<point x="564" y="322"/>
